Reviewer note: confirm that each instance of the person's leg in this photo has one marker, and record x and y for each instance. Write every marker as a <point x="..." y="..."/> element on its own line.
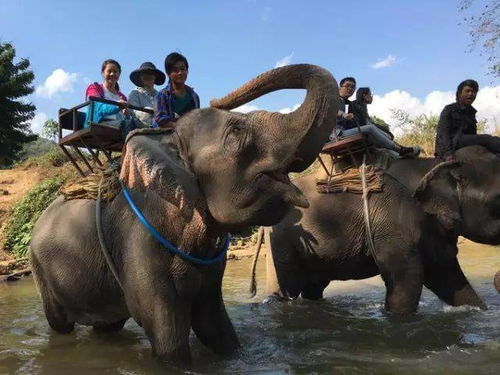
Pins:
<point x="492" y="143"/>
<point x="378" y="138"/>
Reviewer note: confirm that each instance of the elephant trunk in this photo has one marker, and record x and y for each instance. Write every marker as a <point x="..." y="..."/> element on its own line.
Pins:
<point x="296" y="137"/>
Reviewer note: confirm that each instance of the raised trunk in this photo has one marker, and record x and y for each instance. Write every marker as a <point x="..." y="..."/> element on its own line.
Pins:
<point x="302" y="133"/>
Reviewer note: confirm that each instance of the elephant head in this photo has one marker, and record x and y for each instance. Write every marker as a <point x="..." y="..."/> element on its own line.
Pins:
<point x="464" y="195"/>
<point x="233" y="167"/>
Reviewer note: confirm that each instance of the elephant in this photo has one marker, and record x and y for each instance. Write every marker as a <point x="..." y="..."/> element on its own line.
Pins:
<point x="415" y="223"/>
<point x="217" y="171"/>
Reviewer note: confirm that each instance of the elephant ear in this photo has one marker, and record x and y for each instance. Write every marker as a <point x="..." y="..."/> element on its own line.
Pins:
<point x="438" y="193"/>
<point x="153" y="159"/>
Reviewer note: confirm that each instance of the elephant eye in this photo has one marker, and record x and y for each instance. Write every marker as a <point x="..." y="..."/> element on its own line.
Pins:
<point x="236" y="130"/>
<point x="236" y="135"/>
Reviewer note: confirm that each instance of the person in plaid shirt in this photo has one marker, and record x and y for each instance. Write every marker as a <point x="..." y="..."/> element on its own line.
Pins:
<point x="176" y="98"/>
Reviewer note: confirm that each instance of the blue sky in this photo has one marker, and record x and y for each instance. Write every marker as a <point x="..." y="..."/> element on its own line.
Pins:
<point x="228" y="42"/>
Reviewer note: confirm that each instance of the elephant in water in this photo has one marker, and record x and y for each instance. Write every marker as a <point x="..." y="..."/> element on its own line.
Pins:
<point x="415" y="224"/>
<point x="218" y="171"/>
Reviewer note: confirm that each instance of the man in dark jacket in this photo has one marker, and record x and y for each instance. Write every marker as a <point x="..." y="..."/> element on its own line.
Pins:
<point x="345" y="117"/>
<point x="457" y="125"/>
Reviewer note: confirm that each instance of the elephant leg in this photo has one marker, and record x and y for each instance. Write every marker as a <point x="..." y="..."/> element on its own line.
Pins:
<point x="210" y="321"/>
<point x="110" y="327"/>
<point x="449" y="283"/>
<point x="284" y="279"/>
<point x="166" y="319"/>
<point x="314" y="290"/>
<point x="56" y="316"/>
<point x="402" y="273"/>
<point x="54" y="311"/>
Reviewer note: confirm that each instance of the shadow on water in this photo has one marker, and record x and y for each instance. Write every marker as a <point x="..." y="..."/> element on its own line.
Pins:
<point x="347" y="333"/>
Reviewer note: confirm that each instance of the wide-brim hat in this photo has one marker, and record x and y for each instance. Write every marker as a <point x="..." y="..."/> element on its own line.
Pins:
<point x="149" y="67"/>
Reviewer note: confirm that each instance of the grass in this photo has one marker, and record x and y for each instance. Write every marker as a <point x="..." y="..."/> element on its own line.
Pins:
<point x="26" y="212"/>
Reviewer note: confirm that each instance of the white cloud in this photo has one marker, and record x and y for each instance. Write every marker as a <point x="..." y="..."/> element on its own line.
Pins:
<point x="284" y="61"/>
<point x="487" y="104"/>
<point x="245" y="108"/>
<point x="58" y="82"/>
<point x="288" y="110"/>
<point x="384" y="63"/>
<point x="38" y="121"/>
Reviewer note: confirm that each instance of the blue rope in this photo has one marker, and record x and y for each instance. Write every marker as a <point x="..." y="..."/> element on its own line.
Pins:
<point x="166" y="243"/>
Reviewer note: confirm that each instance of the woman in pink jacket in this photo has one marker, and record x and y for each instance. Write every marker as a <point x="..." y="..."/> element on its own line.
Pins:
<point x="109" y="89"/>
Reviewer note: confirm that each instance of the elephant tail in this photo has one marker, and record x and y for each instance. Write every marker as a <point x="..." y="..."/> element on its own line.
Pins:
<point x="253" y="280"/>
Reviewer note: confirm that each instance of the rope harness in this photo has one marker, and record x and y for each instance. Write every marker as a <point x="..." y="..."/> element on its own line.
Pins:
<point x="366" y="212"/>
<point x="165" y="243"/>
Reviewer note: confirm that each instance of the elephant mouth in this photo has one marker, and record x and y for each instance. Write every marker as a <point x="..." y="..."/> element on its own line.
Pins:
<point x="279" y="183"/>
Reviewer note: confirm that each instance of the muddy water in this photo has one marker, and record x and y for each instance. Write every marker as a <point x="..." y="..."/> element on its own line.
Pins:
<point x="347" y="333"/>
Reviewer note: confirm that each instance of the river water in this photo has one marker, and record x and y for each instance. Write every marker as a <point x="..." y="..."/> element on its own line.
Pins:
<point x="347" y="333"/>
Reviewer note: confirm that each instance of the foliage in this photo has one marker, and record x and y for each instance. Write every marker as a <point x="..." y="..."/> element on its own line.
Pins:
<point x="26" y="213"/>
<point x="38" y="147"/>
<point x="15" y="83"/>
<point x="50" y="129"/>
<point x="421" y="130"/>
<point x="54" y="157"/>
<point x="380" y="122"/>
<point x="485" y="30"/>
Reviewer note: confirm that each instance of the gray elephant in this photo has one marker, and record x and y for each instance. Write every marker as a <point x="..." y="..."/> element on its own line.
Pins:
<point x="415" y="224"/>
<point x="218" y="171"/>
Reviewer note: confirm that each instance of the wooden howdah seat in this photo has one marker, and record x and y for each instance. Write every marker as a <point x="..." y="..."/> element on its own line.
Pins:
<point x="96" y="138"/>
<point x="342" y="148"/>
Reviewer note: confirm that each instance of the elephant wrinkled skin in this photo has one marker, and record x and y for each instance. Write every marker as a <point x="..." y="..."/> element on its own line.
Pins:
<point x="218" y="171"/>
<point x="415" y="225"/>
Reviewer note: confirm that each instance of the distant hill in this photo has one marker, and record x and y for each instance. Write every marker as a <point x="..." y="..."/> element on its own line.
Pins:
<point x="38" y="147"/>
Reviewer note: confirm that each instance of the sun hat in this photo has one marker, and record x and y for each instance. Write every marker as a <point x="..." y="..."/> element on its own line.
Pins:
<point x="135" y="76"/>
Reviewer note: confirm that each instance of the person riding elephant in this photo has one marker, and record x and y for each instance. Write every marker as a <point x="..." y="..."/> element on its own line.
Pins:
<point x="217" y="171"/>
<point x="143" y="95"/>
<point x="410" y="239"/>
<point x="457" y="126"/>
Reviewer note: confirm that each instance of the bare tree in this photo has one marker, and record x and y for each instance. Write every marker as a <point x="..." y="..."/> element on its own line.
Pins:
<point x="484" y="30"/>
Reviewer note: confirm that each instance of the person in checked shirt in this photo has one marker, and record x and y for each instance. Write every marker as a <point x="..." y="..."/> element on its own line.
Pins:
<point x="176" y="98"/>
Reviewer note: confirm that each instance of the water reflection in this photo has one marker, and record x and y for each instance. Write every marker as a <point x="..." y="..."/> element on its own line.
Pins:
<point x="347" y="333"/>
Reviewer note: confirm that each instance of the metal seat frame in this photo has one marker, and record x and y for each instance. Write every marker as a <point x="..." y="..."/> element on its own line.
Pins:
<point x="344" y="146"/>
<point x="96" y="138"/>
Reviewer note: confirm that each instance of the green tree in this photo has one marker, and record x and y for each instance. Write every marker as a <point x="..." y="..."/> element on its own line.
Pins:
<point x="378" y="121"/>
<point x="15" y="113"/>
<point x="50" y="129"/>
<point x="421" y="130"/>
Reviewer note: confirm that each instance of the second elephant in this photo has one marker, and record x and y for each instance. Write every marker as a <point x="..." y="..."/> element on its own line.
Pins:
<point x="415" y="225"/>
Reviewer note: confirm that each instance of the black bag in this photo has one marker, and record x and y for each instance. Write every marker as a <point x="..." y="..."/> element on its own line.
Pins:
<point x="127" y="125"/>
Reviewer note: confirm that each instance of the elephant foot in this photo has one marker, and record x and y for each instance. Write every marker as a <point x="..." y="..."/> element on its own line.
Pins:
<point x="57" y="317"/>
<point x="497" y="281"/>
<point x="110" y="327"/>
<point x="467" y="296"/>
<point x="276" y="298"/>
<point x="314" y="291"/>
<point x="180" y="356"/>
